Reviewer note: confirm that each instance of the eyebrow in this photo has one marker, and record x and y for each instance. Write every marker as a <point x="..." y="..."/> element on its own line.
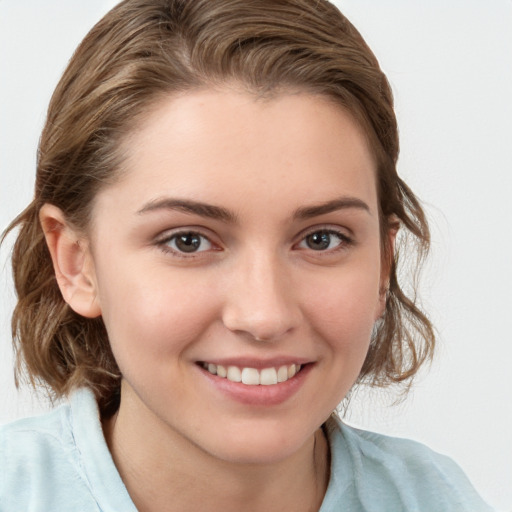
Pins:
<point x="189" y="206"/>
<point x="341" y="203"/>
<point x="222" y="214"/>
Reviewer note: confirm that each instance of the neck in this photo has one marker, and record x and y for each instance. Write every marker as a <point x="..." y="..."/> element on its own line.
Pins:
<point x="164" y="471"/>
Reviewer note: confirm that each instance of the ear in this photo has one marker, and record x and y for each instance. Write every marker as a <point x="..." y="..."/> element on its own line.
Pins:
<point x="72" y="262"/>
<point x="388" y="255"/>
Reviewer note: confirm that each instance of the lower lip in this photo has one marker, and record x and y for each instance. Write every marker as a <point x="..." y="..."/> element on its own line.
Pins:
<point x="261" y="395"/>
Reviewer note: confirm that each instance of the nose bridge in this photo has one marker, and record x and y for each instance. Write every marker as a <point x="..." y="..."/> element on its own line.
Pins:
<point x="260" y="301"/>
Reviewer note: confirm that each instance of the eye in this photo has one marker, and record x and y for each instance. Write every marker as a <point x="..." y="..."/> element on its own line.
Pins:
<point x="187" y="242"/>
<point x="324" y="240"/>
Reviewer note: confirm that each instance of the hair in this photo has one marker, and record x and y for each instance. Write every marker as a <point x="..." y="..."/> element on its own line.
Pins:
<point x="143" y="50"/>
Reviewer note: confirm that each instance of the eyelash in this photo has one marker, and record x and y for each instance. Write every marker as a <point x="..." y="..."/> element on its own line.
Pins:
<point x="344" y="242"/>
<point x="164" y="243"/>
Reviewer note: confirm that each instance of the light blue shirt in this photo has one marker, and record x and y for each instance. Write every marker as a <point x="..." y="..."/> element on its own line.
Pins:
<point x="60" y="462"/>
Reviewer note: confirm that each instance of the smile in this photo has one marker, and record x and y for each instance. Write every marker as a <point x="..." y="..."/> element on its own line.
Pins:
<point x="253" y="376"/>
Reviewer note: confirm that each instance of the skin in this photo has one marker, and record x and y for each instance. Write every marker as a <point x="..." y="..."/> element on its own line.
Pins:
<point x="255" y="288"/>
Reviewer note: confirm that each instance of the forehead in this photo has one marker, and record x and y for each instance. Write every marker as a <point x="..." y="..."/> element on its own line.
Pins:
<point x="292" y="148"/>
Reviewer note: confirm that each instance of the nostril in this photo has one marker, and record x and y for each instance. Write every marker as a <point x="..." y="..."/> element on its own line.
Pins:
<point x="261" y="327"/>
<point x="268" y="337"/>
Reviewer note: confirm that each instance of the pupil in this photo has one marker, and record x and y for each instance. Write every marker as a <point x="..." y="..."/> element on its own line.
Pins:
<point x="188" y="242"/>
<point x="318" y="241"/>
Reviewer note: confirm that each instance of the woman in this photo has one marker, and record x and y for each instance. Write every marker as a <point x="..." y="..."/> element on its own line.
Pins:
<point x="209" y="267"/>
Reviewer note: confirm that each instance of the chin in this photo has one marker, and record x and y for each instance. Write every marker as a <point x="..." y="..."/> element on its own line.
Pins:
<point x="260" y="445"/>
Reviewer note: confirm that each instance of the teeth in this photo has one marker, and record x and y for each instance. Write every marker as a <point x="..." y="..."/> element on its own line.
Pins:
<point x="252" y="376"/>
<point x="234" y="374"/>
<point x="282" y="374"/>
<point x="268" y="376"/>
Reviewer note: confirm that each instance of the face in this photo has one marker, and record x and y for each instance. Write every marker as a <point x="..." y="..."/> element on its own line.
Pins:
<point x="241" y="242"/>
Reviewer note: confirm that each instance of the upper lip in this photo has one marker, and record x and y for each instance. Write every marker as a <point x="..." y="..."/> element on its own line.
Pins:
<point x="257" y="363"/>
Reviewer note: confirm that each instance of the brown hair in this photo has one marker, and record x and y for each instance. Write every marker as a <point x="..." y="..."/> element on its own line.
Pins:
<point x="142" y="50"/>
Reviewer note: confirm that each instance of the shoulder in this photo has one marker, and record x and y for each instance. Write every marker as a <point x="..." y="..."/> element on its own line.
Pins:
<point x="35" y="443"/>
<point x="399" y="473"/>
<point x="40" y="465"/>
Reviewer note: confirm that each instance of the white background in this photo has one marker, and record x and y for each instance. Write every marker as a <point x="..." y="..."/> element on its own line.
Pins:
<point x="450" y="66"/>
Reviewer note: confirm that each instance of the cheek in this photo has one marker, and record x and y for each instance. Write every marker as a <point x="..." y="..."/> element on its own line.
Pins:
<point x="341" y="312"/>
<point x="343" y="309"/>
<point x="151" y="315"/>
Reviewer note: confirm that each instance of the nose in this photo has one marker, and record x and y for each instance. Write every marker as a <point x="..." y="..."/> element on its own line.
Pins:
<point x="261" y="302"/>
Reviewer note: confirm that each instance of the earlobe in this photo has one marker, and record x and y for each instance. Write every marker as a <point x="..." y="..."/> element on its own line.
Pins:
<point x="72" y="262"/>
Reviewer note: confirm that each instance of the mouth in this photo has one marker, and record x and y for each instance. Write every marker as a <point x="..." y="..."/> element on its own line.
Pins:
<point x="256" y="383"/>
<point x="252" y="376"/>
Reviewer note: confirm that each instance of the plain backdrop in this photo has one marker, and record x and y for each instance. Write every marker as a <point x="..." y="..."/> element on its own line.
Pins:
<point x="450" y="66"/>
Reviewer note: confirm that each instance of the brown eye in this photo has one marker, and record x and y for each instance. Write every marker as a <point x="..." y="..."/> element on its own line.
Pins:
<point x="189" y="242"/>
